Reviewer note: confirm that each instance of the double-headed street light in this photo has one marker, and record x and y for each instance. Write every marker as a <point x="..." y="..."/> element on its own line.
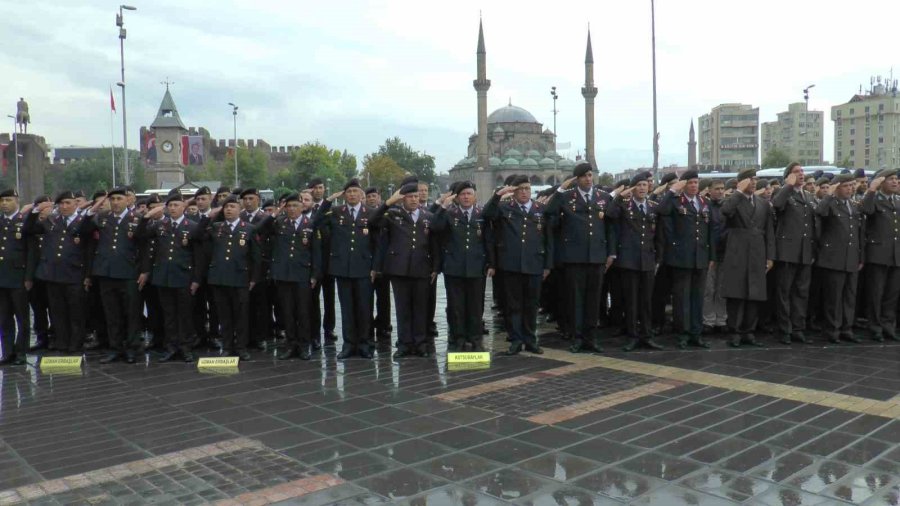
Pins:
<point x="555" y="137"/>
<point x="16" y="143"/>
<point x="234" y="110"/>
<point x="120" y="22"/>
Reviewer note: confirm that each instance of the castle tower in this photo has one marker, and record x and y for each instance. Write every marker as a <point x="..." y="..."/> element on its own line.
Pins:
<point x="589" y="92"/>
<point x="482" y="84"/>
<point x="692" y="147"/>
<point x="169" y="130"/>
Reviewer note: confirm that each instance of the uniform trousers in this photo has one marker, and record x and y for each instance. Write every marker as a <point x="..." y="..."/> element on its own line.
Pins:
<point x="742" y="315"/>
<point x="838" y="301"/>
<point x="324" y="290"/>
<point x="205" y="313"/>
<point x="177" y="306"/>
<point x="382" y="304"/>
<point x="295" y="300"/>
<point x="14" y="322"/>
<point x="638" y="297"/>
<point x="66" y="301"/>
<point x="355" y="295"/>
<point x="40" y="309"/>
<point x="688" y="290"/>
<point x="122" y="310"/>
<point x="411" y="304"/>
<point x="662" y="294"/>
<point x="233" y="308"/>
<point x="261" y="313"/>
<point x="714" y="314"/>
<point x="791" y="297"/>
<point x="523" y="291"/>
<point x="581" y="291"/>
<point x="465" y="307"/>
<point x="883" y="285"/>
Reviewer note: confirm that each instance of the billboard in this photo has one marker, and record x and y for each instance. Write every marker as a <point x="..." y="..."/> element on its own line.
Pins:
<point x="192" y="152"/>
<point x="148" y="143"/>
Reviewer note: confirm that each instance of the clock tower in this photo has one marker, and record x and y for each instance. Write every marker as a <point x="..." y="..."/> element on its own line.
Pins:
<point x="168" y="131"/>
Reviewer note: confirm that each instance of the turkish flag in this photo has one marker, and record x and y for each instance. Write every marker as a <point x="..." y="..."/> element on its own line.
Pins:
<point x="112" y="101"/>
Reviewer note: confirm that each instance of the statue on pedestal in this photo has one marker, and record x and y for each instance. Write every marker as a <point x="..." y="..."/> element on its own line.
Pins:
<point x="22" y="116"/>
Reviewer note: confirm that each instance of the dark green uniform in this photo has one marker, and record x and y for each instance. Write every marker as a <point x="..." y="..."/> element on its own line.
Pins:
<point x="15" y="269"/>
<point x="838" y="260"/>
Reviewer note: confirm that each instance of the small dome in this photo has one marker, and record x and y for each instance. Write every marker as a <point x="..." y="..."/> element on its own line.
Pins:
<point x="547" y="131"/>
<point x="512" y="153"/>
<point x="529" y="162"/>
<point x="462" y="162"/>
<point x="566" y="164"/>
<point x="551" y="154"/>
<point x="495" y="162"/>
<point x="533" y="153"/>
<point x="498" y="130"/>
<point x="547" y="163"/>
<point x="511" y="114"/>
<point x="510" y="162"/>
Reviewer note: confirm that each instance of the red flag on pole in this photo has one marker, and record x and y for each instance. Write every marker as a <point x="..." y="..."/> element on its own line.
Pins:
<point x="112" y="101"/>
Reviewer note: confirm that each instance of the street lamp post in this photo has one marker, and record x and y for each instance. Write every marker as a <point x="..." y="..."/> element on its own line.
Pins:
<point x="234" y="110"/>
<point x="555" y="137"/>
<point x="655" y="131"/>
<point x="16" y="147"/>
<point x="120" y="22"/>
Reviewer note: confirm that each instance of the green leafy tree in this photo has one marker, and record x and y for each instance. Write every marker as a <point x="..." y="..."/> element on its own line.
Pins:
<point x="381" y="171"/>
<point x="314" y="159"/>
<point x="775" y="158"/>
<point x="347" y="165"/>
<point x="845" y="163"/>
<point x="605" y="179"/>
<point x="420" y="164"/>
<point x="95" y="174"/>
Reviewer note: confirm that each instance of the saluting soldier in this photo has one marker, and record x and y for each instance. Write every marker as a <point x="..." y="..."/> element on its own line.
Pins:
<point x="689" y="252"/>
<point x="524" y="246"/>
<point x="115" y="268"/>
<point x="174" y="269"/>
<point x="232" y="252"/>
<point x="715" y="319"/>
<point x="206" y="322"/>
<point x="749" y="255"/>
<point x="636" y="257"/>
<point x="381" y="322"/>
<point x="323" y="324"/>
<point x="16" y="279"/>
<point x="795" y="233"/>
<point x="662" y="281"/>
<point x="882" y="254"/>
<point x="63" y="267"/>
<point x="584" y="247"/>
<point x="37" y="296"/>
<point x="296" y="268"/>
<point x="410" y="260"/>
<point x="260" y="307"/>
<point x="840" y="257"/>
<point x="466" y="261"/>
<point x="351" y="253"/>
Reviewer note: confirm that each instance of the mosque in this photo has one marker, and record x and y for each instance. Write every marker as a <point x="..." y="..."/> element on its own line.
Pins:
<point x="511" y="141"/>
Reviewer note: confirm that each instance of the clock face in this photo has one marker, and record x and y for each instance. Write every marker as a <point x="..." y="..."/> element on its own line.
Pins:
<point x="167" y="146"/>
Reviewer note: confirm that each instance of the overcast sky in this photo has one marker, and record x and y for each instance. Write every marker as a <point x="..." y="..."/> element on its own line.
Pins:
<point x="353" y="73"/>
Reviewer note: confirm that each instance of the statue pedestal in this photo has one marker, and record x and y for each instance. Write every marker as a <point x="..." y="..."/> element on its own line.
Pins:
<point x="159" y="175"/>
<point x="33" y="163"/>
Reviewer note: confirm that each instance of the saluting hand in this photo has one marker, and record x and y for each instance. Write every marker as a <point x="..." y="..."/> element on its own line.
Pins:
<point x="154" y="213"/>
<point x="831" y="188"/>
<point x="626" y="193"/>
<point x="876" y="184"/>
<point x="791" y="179"/>
<point x="568" y="183"/>
<point x="448" y="200"/>
<point x="506" y="190"/>
<point x="396" y="197"/>
<point x="678" y="186"/>
<point x="744" y="185"/>
<point x="142" y="280"/>
<point x="334" y="196"/>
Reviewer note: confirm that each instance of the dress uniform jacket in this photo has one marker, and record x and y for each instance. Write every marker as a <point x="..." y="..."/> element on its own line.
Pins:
<point x="585" y="232"/>
<point x="410" y="249"/>
<point x="751" y="243"/>
<point x="795" y="226"/>
<point x="177" y="251"/>
<point x="234" y="256"/>
<point x="636" y="236"/>
<point x="296" y="253"/>
<point x="523" y="242"/>
<point x="689" y="232"/>
<point x="467" y="250"/>
<point x="17" y="258"/>
<point x="62" y="256"/>
<point x="118" y="249"/>
<point x="882" y="229"/>
<point x="351" y="245"/>
<point x="842" y="237"/>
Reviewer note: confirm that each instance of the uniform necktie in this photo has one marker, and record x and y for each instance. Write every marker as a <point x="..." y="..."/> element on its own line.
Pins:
<point x="352" y="214"/>
<point x="524" y="209"/>
<point x="694" y="205"/>
<point x="641" y="207"/>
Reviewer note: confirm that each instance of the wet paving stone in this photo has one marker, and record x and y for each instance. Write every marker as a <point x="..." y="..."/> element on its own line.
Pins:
<point x="508" y="484"/>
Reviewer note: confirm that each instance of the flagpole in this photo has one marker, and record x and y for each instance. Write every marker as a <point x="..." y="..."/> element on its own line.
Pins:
<point x="112" y="137"/>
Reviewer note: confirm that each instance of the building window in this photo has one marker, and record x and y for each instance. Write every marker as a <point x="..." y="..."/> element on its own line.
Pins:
<point x="853" y="142"/>
<point x="852" y="152"/>
<point x="881" y="140"/>
<point x="867" y="141"/>
<point x="852" y="131"/>
<point x="880" y="107"/>
<point x="839" y="154"/>
<point x="852" y="110"/>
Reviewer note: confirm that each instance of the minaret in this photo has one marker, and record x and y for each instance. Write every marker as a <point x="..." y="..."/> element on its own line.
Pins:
<point x="692" y="148"/>
<point x="482" y="84"/>
<point x="589" y="92"/>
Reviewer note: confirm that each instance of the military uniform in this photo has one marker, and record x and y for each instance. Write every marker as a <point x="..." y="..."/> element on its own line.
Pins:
<point x="688" y="250"/>
<point x="350" y="260"/>
<point x="750" y="244"/>
<point x="115" y="268"/>
<point x="62" y="266"/>
<point x="882" y="259"/>
<point x="635" y="250"/>
<point x="524" y="250"/>
<point x="175" y="264"/>
<point x="795" y="232"/>
<point x="714" y="314"/>
<point x="296" y="249"/>
<point x="206" y="321"/>
<point x="838" y="260"/>
<point x="466" y="254"/>
<point x="232" y="252"/>
<point x="15" y="270"/>
<point x="585" y="240"/>
<point x="323" y="295"/>
<point x="260" y="306"/>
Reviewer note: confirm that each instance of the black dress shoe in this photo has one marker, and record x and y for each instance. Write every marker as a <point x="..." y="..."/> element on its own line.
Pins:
<point x="596" y="346"/>
<point x="682" y="344"/>
<point x="245" y="356"/>
<point x="316" y="345"/>
<point x="345" y="353"/>
<point x="515" y="349"/>
<point x="852" y="338"/>
<point x="38" y="345"/>
<point x="426" y="353"/>
<point x="401" y="354"/>
<point x="785" y="340"/>
<point x="834" y="340"/>
<point x="631" y="346"/>
<point x="188" y="358"/>
<point x="130" y="358"/>
<point x="700" y="342"/>
<point x="365" y="354"/>
<point x="751" y="340"/>
<point x="578" y="347"/>
<point x="110" y="358"/>
<point x="19" y="360"/>
<point x="331" y="336"/>
<point x="305" y="355"/>
<point x="735" y="341"/>
<point x="653" y="345"/>
<point x="287" y="354"/>
<point x="169" y="355"/>
<point x="534" y="348"/>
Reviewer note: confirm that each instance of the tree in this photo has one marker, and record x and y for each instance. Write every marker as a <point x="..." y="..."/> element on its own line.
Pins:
<point x="347" y="165"/>
<point x="93" y="174"/>
<point x="317" y="160"/>
<point x="422" y="165"/>
<point x="845" y="163"/>
<point x="775" y="158"/>
<point x="381" y="171"/>
<point x="605" y="179"/>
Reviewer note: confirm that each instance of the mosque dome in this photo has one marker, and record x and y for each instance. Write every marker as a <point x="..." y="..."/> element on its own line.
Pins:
<point x="511" y="114"/>
<point x="566" y="164"/>
<point x="529" y="162"/>
<point x="533" y="153"/>
<point x="513" y="153"/>
<point x="495" y="162"/>
<point x="510" y="162"/>
<point x="547" y="163"/>
<point x="551" y="154"/>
